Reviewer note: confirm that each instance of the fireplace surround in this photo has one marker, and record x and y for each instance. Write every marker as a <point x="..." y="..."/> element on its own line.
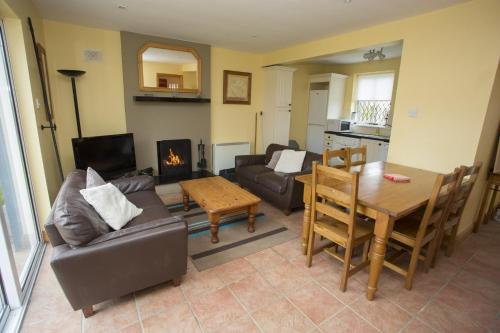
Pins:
<point x="174" y="158"/>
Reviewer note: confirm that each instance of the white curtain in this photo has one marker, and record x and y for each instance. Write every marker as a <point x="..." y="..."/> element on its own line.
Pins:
<point x="375" y="87"/>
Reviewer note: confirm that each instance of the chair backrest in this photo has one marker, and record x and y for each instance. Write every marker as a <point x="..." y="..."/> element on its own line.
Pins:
<point x="439" y="202"/>
<point x="323" y="180"/>
<point x="351" y="152"/>
<point x="341" y="154"/>
<point x="465" y="183"/>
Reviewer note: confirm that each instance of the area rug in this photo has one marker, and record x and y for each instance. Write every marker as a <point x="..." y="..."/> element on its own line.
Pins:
<point x="234" y="239"/>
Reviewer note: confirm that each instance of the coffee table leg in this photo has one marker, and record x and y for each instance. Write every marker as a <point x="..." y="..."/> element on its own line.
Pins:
<point x="185" y="200"/>
<point x="252" y="210"/>
<point x="214" y="227"/>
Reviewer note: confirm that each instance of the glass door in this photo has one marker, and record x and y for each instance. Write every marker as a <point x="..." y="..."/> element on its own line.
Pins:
<point x="3" y="307"/>
<point x="20" y="241"/>
<point x="14" y="186"/>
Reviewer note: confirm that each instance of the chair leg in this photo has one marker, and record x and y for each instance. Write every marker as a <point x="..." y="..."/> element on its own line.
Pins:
<point x="450" y="247"/>
<point x="432" y="251"/>
<point x="412" y="268"/>
<point x="347" y="266"/>
<point x="435" y="254"/>
<point x="310" y="247"/>
<point x="366" y="250"/>
<point x="88" y="311"/>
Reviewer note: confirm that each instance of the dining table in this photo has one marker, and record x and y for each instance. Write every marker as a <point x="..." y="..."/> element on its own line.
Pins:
<point x="380" y="199"/>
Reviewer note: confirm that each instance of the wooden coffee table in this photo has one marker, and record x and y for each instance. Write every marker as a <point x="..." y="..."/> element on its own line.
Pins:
<point x="218" y="196"/>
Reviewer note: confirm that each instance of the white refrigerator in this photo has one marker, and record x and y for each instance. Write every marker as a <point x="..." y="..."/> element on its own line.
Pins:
<point x="316" y="120"/>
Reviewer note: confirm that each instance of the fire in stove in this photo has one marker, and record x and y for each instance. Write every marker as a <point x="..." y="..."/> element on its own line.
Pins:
<point x="173" y="159"/>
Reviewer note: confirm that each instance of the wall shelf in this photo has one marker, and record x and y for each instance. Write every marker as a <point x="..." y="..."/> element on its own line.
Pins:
<point x="171" y="99"/>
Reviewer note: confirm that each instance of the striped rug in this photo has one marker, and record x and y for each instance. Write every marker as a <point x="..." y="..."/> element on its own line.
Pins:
<point x="234" y="239"/>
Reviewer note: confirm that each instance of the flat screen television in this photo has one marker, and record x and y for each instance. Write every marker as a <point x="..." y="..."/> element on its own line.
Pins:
<point x="110" y="155"/>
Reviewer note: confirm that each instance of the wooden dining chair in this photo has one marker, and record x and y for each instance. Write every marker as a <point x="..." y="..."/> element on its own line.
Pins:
<point x="340" y="154"/>
<point x="449" y="228"/>
<point x="410" y="234"/>
<point x="337" y="220"/>
<point x="360" y="152"/>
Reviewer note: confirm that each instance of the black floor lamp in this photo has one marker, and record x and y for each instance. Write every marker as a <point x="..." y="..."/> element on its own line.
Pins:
<point x="74" y="73"/>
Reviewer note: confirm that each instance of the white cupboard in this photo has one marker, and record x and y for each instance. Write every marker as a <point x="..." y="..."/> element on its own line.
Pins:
<point x="375" y="150"/>
<point x="277" y="105"/>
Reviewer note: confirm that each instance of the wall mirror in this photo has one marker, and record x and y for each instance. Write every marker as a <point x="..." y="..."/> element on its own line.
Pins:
<point x="169" y="68"/>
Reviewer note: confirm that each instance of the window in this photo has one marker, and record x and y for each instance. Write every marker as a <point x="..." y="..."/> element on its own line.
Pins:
<point x="373" y="98"/>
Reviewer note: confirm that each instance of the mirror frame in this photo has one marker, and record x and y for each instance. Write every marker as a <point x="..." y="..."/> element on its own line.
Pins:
<point x="173" y="48"/>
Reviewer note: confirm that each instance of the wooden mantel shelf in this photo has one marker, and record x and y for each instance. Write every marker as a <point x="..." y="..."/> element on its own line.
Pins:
<point x="171" y="99"/>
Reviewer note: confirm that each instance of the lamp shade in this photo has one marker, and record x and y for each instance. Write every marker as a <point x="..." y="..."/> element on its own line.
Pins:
<point x="71" y="72"/>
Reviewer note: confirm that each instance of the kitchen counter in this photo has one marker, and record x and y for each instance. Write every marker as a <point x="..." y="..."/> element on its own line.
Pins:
<point x="360" y="135"/>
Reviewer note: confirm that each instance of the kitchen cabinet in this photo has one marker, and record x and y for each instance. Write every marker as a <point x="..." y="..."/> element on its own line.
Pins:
<point x="375" y="150"/>
<point x="277" y="105"/>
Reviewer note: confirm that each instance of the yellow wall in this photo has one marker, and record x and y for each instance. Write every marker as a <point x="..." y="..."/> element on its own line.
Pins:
<point x="27" y="86"/>
<point x="190" y="79"/>
<point x="485" y="151"/>
<point x="446" y="72"/>
<point x="100" y="90"/>
<point x="232" y="122"/>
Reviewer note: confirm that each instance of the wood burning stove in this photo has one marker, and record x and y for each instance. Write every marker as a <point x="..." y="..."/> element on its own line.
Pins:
<point x="174" y="158"/>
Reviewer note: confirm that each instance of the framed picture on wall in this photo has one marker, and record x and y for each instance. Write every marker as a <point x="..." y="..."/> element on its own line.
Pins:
<point x="237" y="87"/>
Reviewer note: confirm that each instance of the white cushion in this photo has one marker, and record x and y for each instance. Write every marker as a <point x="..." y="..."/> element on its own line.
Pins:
<point x="290" y="161"/>
<point x="93" y="178"/>
<point x="111" y="204"/>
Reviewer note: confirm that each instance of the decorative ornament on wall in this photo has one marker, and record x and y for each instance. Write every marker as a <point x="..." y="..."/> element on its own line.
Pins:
<point x="237" y="87"/>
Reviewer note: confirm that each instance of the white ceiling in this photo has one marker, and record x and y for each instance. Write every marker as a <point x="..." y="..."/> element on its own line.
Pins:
<point x="251" y="25"/>
<point x="392" y="50"/>
<point x="154" y="54"/>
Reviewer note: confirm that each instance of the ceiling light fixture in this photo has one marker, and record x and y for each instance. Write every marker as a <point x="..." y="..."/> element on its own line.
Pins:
<point x="122" y="7"/>
<point x="372" y="54"/>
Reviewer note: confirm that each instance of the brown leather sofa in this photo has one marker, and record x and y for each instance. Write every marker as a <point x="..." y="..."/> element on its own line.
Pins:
<point x="93" y="263"/>
<point x="279" y="189"/>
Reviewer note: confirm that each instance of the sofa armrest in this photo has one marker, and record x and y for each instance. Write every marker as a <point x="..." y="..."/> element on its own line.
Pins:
<point x="134" y="184"/>
<point x="110" y="236"/>
<point x="242" y="160"/>
<point x="91" y="274"/>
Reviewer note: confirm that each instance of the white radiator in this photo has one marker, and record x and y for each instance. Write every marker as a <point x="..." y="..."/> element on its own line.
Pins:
<point x="223" y="154"/>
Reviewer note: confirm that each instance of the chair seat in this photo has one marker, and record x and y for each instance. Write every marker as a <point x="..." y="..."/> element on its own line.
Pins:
<point x="338" y="231"/>
<point x="406" y="229"/>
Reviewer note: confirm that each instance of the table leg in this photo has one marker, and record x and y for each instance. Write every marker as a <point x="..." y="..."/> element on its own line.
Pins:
<point x="214" y="227"/>
<point x="307" y="218"/>
<point x="252" y="210"/>
<point x="185" y="200"/>
<point x="383" y="229"/>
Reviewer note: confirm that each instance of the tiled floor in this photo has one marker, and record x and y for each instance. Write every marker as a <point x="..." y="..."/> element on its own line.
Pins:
<point x="273" y="291"/>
